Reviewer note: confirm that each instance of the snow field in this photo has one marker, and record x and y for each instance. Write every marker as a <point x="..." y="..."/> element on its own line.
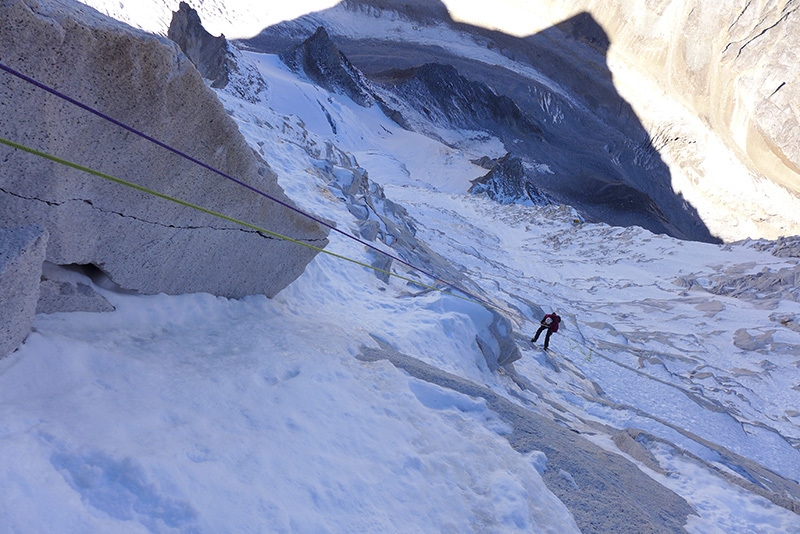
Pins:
<point x="174" y="411"/>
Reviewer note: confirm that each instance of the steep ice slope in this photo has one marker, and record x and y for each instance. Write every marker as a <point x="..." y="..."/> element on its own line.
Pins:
<point x="353" y="398"/>
<point x="350" y="402"/>
<point x="694" y="344"/>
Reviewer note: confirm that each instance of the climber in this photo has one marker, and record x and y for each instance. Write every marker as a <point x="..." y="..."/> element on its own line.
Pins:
<point x="550" y="323"/>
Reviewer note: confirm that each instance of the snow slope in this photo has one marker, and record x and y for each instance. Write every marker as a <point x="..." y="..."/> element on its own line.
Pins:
<point x="200" y="414"/>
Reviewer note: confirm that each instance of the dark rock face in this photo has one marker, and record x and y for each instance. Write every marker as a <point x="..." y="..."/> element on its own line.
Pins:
<point x="419" y="11"/>
<point x="449" y="99"/>
<point x="326" y="66"/>
<point x="507" y="183"/>
<point x="208" y="53"/>
<point x="214" y="57"/>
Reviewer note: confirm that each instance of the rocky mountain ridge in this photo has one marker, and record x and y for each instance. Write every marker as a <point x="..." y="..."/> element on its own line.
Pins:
<point x="606" y="172"/>
<point x="449" y="99"/>
<point x="325" y="65"/>
<point x="208" y="53"/>
<point x="715" y="84"/>
<point x="507" y="183"/>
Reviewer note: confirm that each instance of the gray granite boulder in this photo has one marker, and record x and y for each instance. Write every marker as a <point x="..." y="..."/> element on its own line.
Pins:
<point x="67" y="297"/>
<point x="141" y="242"/>
<point x="21" y="256"/>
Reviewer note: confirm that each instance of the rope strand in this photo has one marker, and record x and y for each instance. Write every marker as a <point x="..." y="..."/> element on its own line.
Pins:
<point x="219" y="215"/>
<point x="179" y="153"/>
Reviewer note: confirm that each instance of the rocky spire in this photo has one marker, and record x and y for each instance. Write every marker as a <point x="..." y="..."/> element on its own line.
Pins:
<point x="327" y="66"/>
<point x="208" y="53"/>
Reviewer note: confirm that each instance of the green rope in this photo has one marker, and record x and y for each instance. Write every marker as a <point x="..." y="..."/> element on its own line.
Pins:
<point x="259" y="229"/>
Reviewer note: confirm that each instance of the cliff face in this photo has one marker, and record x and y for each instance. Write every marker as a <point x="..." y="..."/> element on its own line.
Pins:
<point x="141" y="242"/>
<point x="507" y="183"/>
<point x="549" y="98"/>
<point x="734" y="63"/>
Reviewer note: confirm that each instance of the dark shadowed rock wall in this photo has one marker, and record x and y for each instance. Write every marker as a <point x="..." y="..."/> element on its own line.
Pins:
<point x="208" y="53"/>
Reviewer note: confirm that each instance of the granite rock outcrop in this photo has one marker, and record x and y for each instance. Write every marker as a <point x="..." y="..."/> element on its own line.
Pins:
<point x="208" y="53"/>
<point x="139" y="241"/>
<point x="22" y="253"/>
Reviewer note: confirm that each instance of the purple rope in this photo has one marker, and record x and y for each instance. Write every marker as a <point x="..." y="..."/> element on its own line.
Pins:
<point x="224" y="175"/>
